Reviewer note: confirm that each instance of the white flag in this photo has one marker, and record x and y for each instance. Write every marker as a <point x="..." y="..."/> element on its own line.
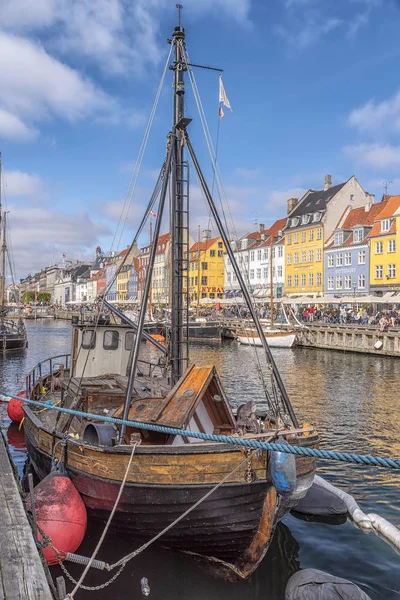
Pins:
<point x="223" y="98"/>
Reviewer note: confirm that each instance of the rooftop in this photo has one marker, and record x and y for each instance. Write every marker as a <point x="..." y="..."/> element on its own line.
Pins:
<point x="315" y="200"/>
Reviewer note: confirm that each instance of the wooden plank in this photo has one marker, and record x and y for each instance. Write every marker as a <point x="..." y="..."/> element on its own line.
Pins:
<point x="22" y="575"/>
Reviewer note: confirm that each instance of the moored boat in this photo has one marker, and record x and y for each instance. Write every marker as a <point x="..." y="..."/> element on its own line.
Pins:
<point x="275" y="338"/>
<point x="162" y="400"/>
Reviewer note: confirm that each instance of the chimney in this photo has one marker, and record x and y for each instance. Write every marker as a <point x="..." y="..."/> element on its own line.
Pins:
<point x="328" y="182"/>
<point x="291" y="203"/>
<point x="370" y="201"/>
<point x="206" y="234"/>
<point x="261" y="227"/>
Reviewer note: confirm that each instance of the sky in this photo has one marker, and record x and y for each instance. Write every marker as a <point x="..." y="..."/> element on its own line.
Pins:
<point x="314" y="87"/>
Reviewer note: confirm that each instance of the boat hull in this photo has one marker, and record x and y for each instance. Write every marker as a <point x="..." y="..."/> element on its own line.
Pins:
<point x="275" y="341"/>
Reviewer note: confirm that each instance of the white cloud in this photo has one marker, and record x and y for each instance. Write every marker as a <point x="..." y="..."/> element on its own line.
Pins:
<point x="377" y="156"/>
<point x="14" y="128"/>
<point x="381" y="117"/>
<point x="118" y="36"/>
<point x="248" y="173"/>
<point x="309" y="31"/>
<point x="18" y="183"/>
<point x="55" y="232"/>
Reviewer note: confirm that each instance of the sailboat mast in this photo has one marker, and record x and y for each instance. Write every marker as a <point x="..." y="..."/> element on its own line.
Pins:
<point x="3" y="274"/>
<point x="178" y="352"/>
<point x="3" y="265"/>
<point x="271" y="283"/>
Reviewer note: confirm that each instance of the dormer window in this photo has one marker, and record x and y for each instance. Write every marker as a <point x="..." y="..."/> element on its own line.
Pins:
<point x="316" y="217"/>
<point x="338" y="238"/>
<point x="305" y="219"/>
<point x="358" y="235"/>
<point x="385" y="225"/>
<point x="295" y="221"/>
<point x="244" y="243"/>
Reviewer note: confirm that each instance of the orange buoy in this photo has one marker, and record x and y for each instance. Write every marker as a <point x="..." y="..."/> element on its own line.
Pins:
<point x="158" y="337"/>
<point x="61" y="514"/>
<point x="15" y="408"/>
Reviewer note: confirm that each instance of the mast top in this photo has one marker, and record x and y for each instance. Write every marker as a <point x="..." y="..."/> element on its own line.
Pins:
<point x="179" y="31"/>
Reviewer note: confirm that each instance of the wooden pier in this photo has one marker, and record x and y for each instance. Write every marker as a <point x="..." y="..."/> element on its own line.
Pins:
<point x="348" y="338"/>
<point x="21" y="571"/>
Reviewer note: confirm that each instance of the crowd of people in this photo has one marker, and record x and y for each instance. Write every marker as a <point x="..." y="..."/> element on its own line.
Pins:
<point x="344" y="315"/>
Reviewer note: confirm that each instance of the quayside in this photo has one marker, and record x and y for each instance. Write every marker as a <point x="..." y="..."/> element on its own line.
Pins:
<point x="107" y="374"/>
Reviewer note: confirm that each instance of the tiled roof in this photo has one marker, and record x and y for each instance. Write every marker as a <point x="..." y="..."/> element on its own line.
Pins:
<point x="391" y="206"/>
<point x="315" y="200"/>
<point x="357" y="216"/>
<point x="202" y="246"/>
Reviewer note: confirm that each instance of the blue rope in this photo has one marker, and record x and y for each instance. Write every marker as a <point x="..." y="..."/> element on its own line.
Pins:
<point x="388" y="463"/>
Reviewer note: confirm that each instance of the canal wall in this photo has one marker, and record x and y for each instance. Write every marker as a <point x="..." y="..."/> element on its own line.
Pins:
<point x="351" y="339"/>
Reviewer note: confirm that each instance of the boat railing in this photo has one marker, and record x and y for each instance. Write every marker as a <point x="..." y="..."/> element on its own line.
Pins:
<point x="47" y="367"/>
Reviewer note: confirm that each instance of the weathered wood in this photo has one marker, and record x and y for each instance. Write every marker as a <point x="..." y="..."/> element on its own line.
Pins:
<point x="21" y="571"/>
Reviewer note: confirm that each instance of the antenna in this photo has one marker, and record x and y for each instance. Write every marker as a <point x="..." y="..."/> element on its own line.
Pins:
<point x="386" y="185"/>
<point x="179" y="7"/>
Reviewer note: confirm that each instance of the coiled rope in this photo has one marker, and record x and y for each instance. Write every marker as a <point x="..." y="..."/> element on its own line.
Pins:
<point x="345" y="457"/>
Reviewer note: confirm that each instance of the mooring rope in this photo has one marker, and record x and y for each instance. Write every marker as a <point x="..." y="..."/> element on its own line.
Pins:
<point x="345" y="457"/>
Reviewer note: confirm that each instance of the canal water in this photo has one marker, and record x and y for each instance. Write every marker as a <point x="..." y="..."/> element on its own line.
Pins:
<point x="352" y="399"/>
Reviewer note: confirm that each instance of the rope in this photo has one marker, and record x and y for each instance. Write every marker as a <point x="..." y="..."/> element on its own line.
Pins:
<point x="361" y="459"/>
<point x="103" y="535"/>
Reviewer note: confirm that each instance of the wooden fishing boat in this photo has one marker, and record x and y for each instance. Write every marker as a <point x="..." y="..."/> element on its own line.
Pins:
<point x="109" y="373"/>
<point x="275" y="338"/>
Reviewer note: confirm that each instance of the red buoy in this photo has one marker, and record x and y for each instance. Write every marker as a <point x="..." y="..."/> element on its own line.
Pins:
<point x="61" y="514"/>
<point x="15" y="408"/>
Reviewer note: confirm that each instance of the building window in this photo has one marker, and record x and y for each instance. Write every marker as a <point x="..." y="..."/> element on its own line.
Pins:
<point x="378" y="247"/>
<point x="258" y="254"/>
<point x="361" y="282"/>
<point x="303" y="256"/>
<point x="229" y="261"/>
<point x="319" y="254"/>
<point x="319" y="278"/>
<point x="319" y="233"/>
<point x="339" y="260"/>
<point x="338" y="240"/>
<point x="204" y="266"/>
<point x="311" y="256"/>
<point x="110" y="340"/>
<point x="358" y="235"/>
<point x="303" y="236"/>
<point x="361" y="257"/>
<point x="311" y="279"/>
<point x="289" y="238"/>
<point x="289" y="281"/>
<point x="258" y="273"/>
<point x="311" y="235"/>
<point x="265" y="273"/>
<point x="330" y="283"/>
<point x="296" y="281"/>
<point x="252" y="256"/>
<point x="347" y="282"/>
<point x="289" y="259"/>
<point x="280" y="251"/>
<point x="303" y="280"/>
<point x="296" y="238"/>
<point x="392" y="246"/>
<point x="347" y="258"/>
<point x="391" y="271"/>
<point x="251" y="273"/>
<point x="220" y="253"/>
<point x="378" y="272"/>
<point x="273" y="252"/>
<point x="385" y="225"/>
<point x="296" y="258"/>
<point x="234" y="278"/>
<point x="220" y="245"/>
<point x="331" y="260"/>
<point x="212" y="253"/>
<point x="339" y="282"/>
<point x="266" y="254"/>
<point x="280" y="271"/>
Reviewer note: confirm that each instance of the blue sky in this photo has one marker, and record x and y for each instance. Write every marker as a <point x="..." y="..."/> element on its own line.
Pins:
<point x="314" y="86"/>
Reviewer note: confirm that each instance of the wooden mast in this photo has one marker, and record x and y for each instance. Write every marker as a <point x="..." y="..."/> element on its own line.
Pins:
<point x="271" y="284"/>
<point x="198" y="270"/>
<point x="151" y="287"/>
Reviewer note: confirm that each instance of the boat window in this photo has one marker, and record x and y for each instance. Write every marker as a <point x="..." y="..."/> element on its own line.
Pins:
<point x="110" y="340"/>
<point x="129" y="337"/>
<point x="88" y="340"/>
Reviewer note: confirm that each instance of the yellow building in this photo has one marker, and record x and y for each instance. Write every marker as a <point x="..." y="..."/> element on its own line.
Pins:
<point x="310" y="221"/>
<point x="206" y="269"/>
<point x="384" y="250"/>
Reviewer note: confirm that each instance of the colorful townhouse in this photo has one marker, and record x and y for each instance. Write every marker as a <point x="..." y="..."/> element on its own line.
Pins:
<point x="347" y="252"/>
<point x="385" y="248"/>
<point x="310" y="222"/>
<point x="254" y="252"/>
<point x="206" y="268"/>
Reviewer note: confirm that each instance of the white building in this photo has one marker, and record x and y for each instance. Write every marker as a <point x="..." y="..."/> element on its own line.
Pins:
<point x="253" y="254"/>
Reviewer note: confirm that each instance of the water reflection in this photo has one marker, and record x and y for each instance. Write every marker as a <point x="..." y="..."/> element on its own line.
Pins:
<point x="353" y="400"/>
